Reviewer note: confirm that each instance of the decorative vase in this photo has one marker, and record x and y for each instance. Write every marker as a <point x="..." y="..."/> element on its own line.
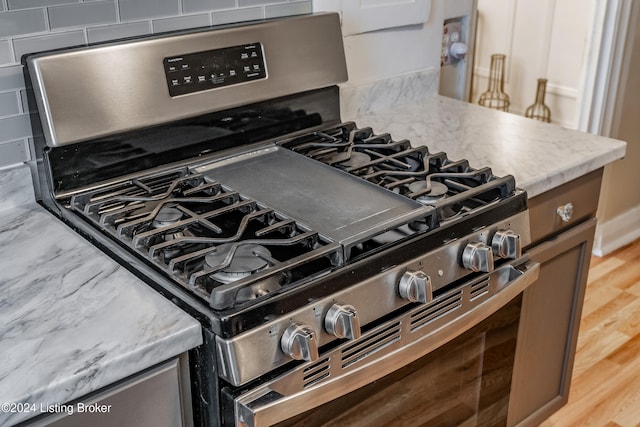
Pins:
<point x="538" y="110"/>
<point x="495" y="97"/>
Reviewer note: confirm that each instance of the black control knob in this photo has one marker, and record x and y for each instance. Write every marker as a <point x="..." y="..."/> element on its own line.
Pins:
<point x="506" y="244"/>
<point x="299" y="342"/>
<point x="477" y="257"/>
<point x="342" y="321"/>
<point x="415" y="286"/>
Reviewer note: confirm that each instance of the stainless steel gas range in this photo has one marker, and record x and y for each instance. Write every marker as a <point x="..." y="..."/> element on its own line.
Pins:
<point x="341" y="276"/>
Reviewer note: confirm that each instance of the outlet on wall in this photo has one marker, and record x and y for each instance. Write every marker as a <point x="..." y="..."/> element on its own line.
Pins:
<point x="454" y="46"/>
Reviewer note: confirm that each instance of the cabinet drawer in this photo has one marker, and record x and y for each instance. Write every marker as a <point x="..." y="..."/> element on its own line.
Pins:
<point x="579" y="197"/>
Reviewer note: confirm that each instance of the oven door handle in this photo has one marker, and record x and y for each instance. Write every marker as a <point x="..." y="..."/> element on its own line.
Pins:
<point x="271" y="403"/>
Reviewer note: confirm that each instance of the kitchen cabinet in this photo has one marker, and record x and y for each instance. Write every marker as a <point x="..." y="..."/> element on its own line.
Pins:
<point x="552" y="306"/>
<point x="157" y="397"/>
<point x="360" y="16"/>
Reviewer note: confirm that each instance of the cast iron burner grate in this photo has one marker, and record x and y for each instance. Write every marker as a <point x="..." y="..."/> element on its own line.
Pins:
<point x="224" y="247"/>
<point x="454" y="188"/>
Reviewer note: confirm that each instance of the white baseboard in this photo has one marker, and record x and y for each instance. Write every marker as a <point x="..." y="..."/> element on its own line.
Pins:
<point x="617" y="232"/>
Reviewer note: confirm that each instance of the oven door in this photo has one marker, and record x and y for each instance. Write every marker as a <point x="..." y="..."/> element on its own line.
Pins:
<point x="446" y="363"/>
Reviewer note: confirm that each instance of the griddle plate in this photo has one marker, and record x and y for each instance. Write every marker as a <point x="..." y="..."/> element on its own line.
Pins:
<point x="343" y="207"/>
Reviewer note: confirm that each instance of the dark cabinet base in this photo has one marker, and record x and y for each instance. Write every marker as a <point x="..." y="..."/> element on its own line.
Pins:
<point x="552" y="306"/>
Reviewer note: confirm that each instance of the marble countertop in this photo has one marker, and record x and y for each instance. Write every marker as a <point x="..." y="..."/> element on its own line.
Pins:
<point x="71" y="319"/>
<point x="540" y="156"/>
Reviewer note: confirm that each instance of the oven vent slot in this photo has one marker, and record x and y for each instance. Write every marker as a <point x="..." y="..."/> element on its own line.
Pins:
<point x="316" y="373"/>
<point x="479" y="289"/>
<point x="433" y="311"/>
<point x="371" y="344"/>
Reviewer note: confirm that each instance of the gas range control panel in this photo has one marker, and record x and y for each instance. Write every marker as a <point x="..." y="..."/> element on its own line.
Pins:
<point x="300" y="334"/>
<point x="195" y="72"/>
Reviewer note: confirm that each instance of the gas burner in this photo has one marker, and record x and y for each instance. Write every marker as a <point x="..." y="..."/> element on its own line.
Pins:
<point x="168" y="215"/>
<point x="435" y="197"/>
<point x="355" y="161"/>
<point x="246" y="259"/>
<point x="437" y="192"/>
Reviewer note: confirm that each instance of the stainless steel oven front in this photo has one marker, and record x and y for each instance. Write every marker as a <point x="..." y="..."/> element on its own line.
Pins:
<point x="341" y="276"/>
<point x="448" y="362"/>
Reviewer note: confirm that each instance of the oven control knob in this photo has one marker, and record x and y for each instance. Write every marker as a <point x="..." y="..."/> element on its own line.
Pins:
<point x="506" y="244"/>
<point x="299" y="342"/>
<point x="342" y="321"/>
<point x="415" y="286"/>
<point x="477" y="257"/>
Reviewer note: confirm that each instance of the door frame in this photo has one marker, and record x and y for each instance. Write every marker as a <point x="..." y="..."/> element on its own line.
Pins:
<point x="606" y="67"/>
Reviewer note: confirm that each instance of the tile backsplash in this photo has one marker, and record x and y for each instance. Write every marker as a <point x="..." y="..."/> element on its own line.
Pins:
<point x="35" y="25"/>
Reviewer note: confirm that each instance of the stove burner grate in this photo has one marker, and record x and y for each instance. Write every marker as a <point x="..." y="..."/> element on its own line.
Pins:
<point x="454" y="188"/>
<point x="226" y="248"/>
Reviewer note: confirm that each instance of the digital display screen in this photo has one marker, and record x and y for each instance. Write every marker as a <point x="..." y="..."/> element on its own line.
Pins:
<point x="200" y="71"/>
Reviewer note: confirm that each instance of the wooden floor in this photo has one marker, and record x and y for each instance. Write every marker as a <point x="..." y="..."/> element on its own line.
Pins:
<point x="605" y="389"/>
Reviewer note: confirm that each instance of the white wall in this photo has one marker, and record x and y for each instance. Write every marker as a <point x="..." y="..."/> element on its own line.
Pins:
<point x="541" y="39"/>
<point x="386" y="53"/>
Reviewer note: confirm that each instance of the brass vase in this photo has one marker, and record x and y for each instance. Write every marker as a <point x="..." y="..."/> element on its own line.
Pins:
<point x="495" y="97"/>
<point x="538" y="110"/>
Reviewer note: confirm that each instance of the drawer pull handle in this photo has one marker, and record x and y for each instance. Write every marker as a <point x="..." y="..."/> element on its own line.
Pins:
<point x="565" y="212"/>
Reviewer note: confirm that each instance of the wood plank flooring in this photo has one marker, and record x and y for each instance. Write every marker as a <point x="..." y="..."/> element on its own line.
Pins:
<point x="605" y="389"/>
